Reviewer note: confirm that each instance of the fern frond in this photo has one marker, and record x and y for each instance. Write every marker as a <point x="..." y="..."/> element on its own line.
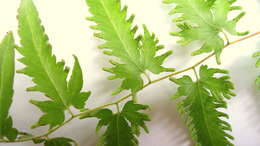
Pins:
<point x="201" y="106"/>
<point x="119" y="33"/>
<point x="119" y="132"/>
<point x="7" y="69"/>
<point x="204" y="20"/>
<point x="49" y="76"/>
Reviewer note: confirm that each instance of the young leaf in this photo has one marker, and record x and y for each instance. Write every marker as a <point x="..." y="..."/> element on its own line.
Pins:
<point x="119" y="132"/>
<point x="7" y="68"/>
<point x="201" y="103"/>
<point x="119" y="35"/>
<point x="204" y="20"/>
<point x="49" y="75"/>
<point x="75" y="85"/>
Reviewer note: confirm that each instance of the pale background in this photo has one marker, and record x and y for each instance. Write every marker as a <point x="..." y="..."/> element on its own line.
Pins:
<point x="69" y="34"/>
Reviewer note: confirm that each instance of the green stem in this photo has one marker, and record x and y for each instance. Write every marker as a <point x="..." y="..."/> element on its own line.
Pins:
<point x="148" y="77"/>
<point x="225" y="35"/>
<point x="125" y="97"/>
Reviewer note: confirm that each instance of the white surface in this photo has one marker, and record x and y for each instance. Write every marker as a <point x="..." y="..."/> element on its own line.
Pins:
<point x="69" y="34"/>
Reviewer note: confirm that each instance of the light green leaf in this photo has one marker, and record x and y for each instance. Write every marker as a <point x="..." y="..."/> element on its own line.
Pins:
<point x="54" y="113"/>
<point x="133" y="55"/>
<point x="7" y="69"/>
<point x="119" y="132"/>
<point x="204" y="20"/>
<point x="49" y="76"/>
<point x="75" y="85"/>
<point x="201" y="103"/>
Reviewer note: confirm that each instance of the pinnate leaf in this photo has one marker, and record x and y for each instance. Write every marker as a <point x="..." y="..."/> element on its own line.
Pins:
<point x="122" y="128"/>
<point x="134" y="55"/>
<point x="201" y="103"/>
<point x="49" y="76"/>
<point x="204" y="20"/>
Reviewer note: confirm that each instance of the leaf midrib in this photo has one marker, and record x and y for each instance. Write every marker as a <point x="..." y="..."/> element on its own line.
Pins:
<point x="197" y="12"/>
<point x="3" y="71"/>
<point x="118" y="34"/>
<point x="36" y="46"/>
<point x="203" y="112"/>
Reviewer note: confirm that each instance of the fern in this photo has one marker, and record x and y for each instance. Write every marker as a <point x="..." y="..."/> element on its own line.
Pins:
<point x="7" y="67"/>
<point x="204" y="20"/>
<point x="49" y="75"/>
<point x="135" y="54"/>
<point x="201" y="103"/>
<point x="119" y="132"/>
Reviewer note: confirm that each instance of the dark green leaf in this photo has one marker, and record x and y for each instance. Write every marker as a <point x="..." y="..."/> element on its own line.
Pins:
<point x="122" y="128"/>
<point x="201" y="103"/>
<point x="59" y="141"/>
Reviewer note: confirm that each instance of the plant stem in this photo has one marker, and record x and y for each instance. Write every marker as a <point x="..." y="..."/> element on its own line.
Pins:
<point x="127" y="96"/>
<point x="148" y="77"/>
<point x="195" y="72"/>
<point x="226" y="37"/>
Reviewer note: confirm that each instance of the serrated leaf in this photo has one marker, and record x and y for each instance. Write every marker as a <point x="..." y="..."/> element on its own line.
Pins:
<point x="59" y="141"/>
<point x="49" y="76"/>
<point x="134" y="56"/>
<point x="53" y="113"/>
<point x="75" y="85"/>
<point x="7" y="69"/>
<point x="122" y="128"/>
<point x="201" y="104"/>
<point x="137" y="119"/>
<point x="205" y="20"/>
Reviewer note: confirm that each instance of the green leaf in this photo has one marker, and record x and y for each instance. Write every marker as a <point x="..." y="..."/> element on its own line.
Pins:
<point x="49" y="76"/>
<point x="59" y="141"/>
<point x="201" y="104"/>
<point x="133" y="55"/>
<point x="205" y="20"/>
<point x="54" y="113"/>
<point x="119" y="132"/>
<point x="7" y="68"/>
<point x="137" y="119"/>
<point x="38" y="140"/>
<point x="75" y="86"/>
<point x="8" y="130"/>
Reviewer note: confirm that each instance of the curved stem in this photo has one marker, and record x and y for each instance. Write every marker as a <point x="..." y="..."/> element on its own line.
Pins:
<point x="127" y="96"/>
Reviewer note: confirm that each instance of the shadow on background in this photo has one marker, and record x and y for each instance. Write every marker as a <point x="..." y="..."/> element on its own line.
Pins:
<point x="243" y="74"/>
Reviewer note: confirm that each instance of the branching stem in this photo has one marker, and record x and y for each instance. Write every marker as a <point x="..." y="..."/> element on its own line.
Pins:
<point x="125" y="97"/>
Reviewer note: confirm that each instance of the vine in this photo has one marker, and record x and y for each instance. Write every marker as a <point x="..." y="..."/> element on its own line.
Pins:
<point x="134" y="57"/>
